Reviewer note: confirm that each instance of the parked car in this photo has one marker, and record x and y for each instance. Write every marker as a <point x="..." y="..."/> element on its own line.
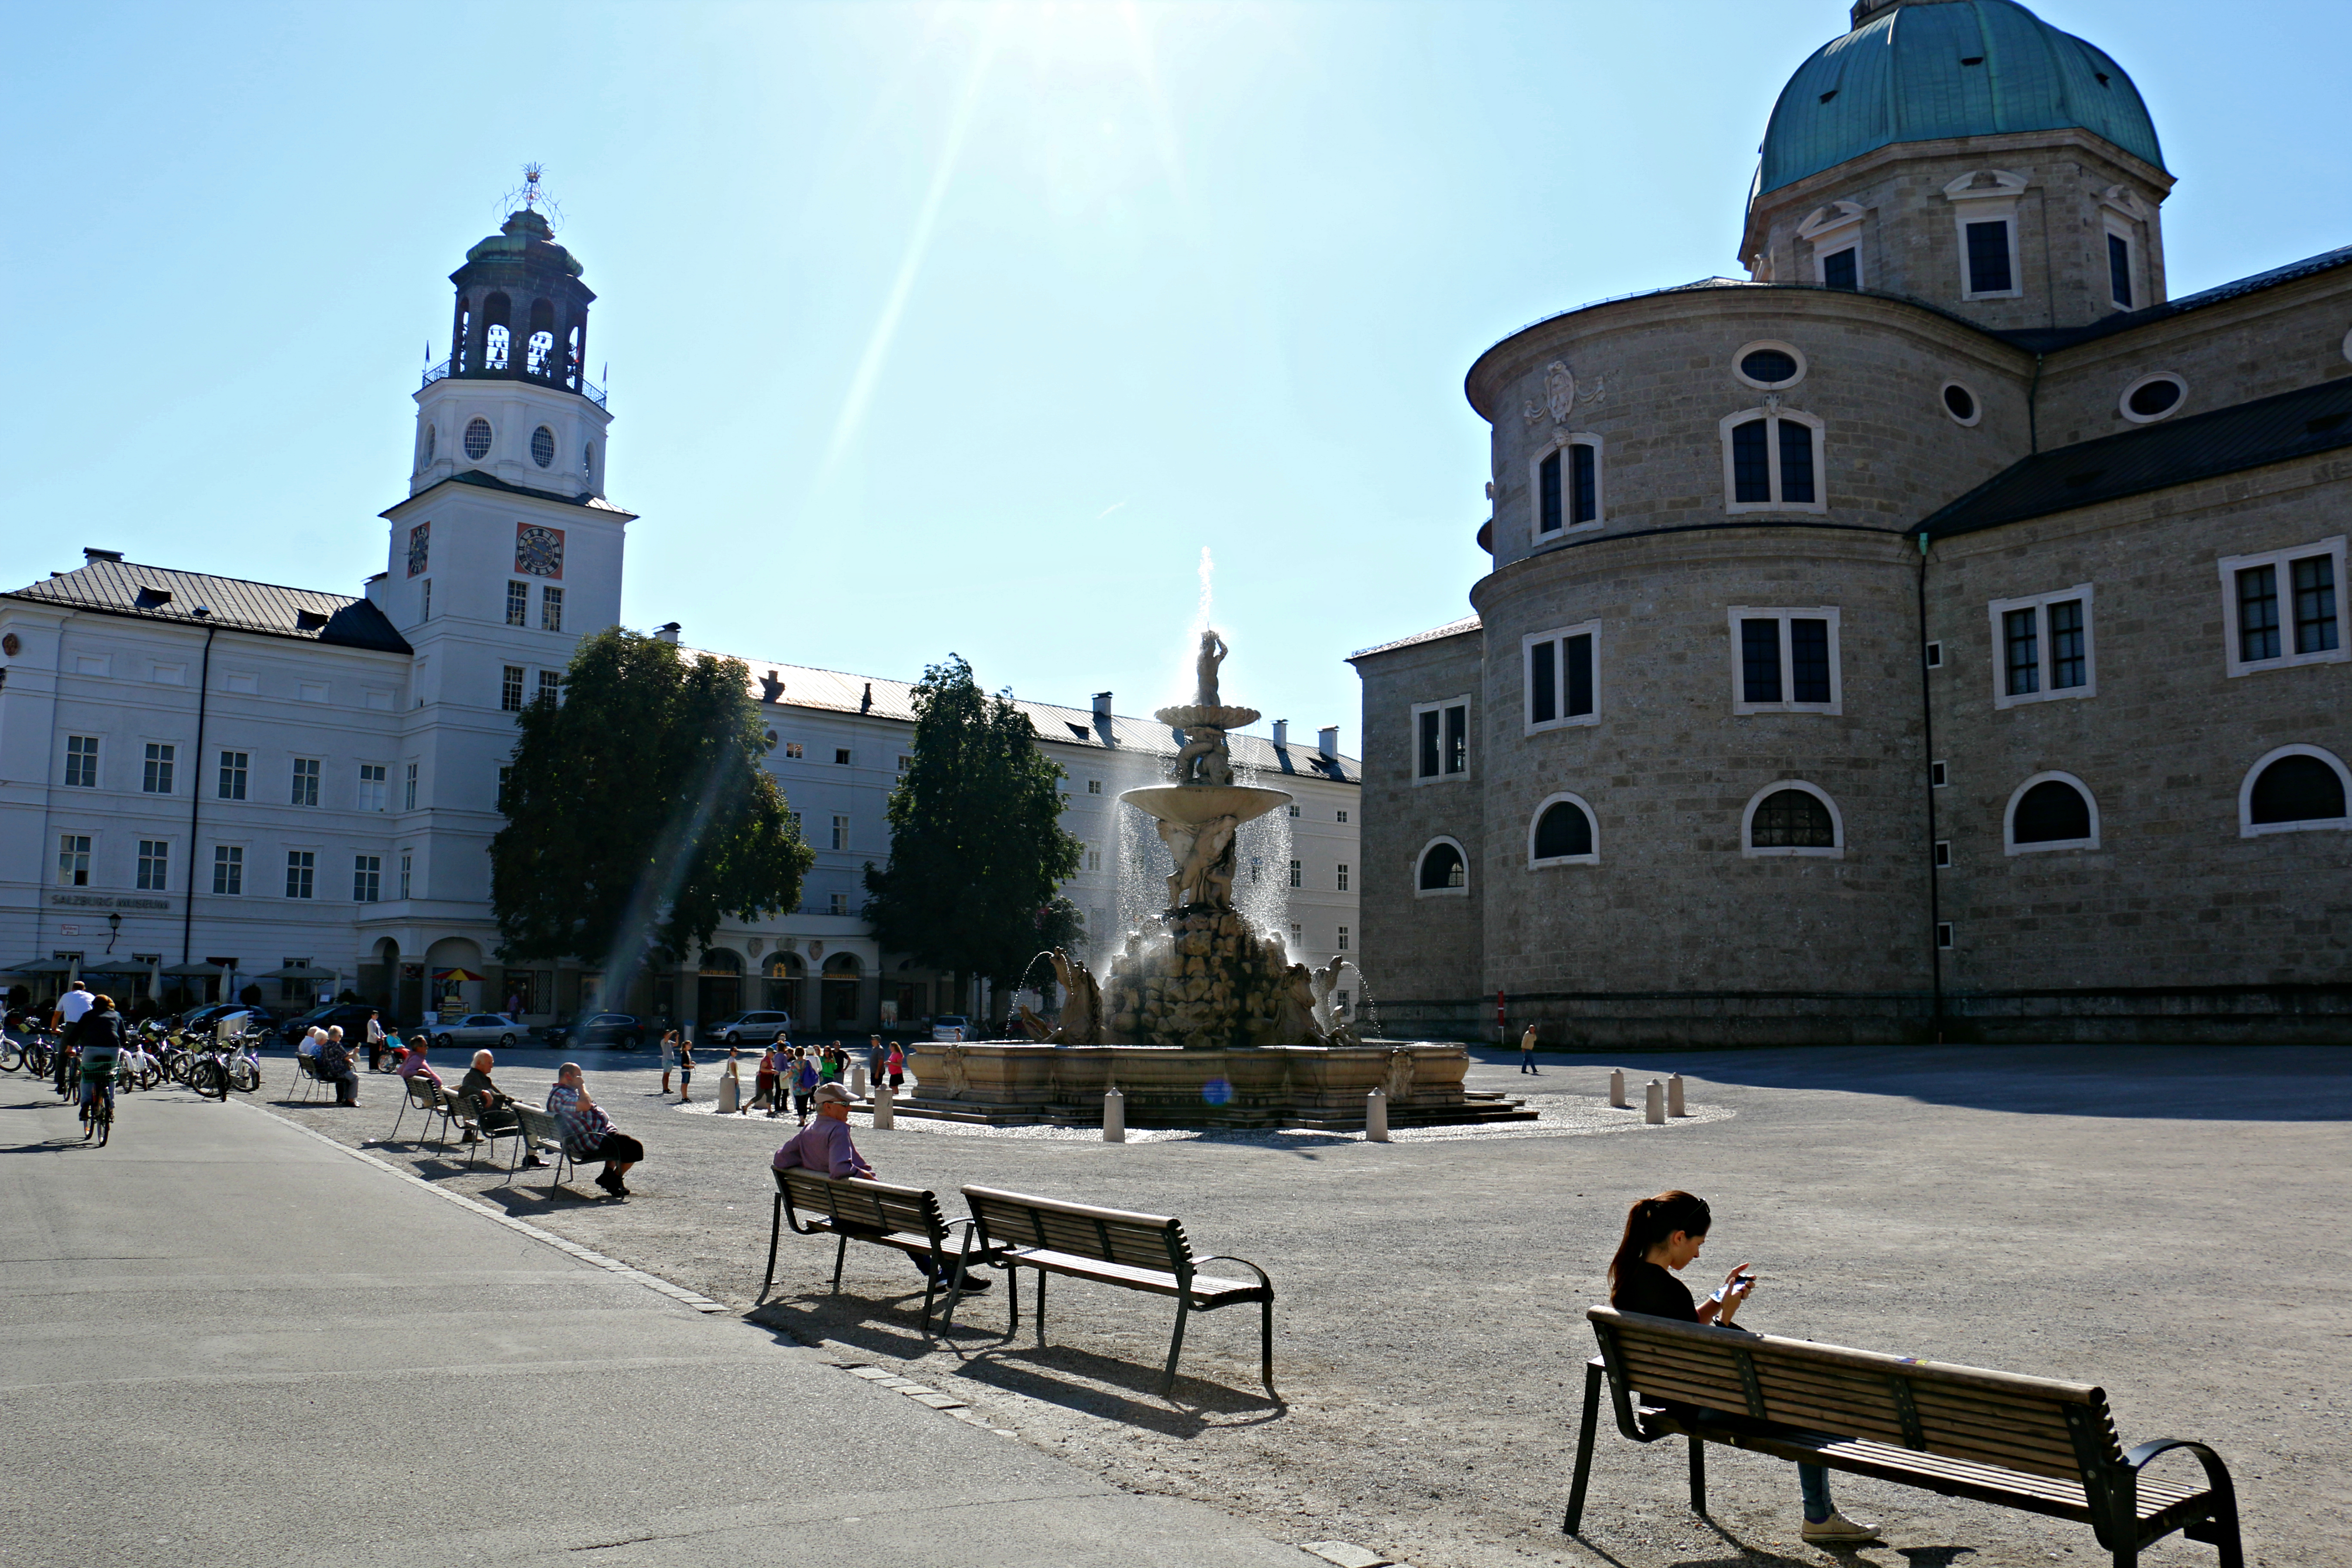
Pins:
<point x="604" y="1029"/>
<point x="759" y="1028"/>
<point x="477" y="1030"/>
<point x="350" y="1016"/>
<point x="204" y="1016"/>
<point x="950" y="1026"/>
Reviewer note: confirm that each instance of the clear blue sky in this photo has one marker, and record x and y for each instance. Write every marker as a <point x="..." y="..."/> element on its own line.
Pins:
<point x="944" y="327"/>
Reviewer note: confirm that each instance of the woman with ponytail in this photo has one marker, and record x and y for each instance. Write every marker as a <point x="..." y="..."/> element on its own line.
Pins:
<point x="1665" y="1234"/>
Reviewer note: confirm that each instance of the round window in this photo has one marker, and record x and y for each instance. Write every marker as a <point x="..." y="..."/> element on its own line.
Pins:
<point x="543" y="446"/>
<point x="1960" y="403"/>
<point x="478" y="439"/>
<point x="1768" y="365"/>
<point x="2153" y="398"/>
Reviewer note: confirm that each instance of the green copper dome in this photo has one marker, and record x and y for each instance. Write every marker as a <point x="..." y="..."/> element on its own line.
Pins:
<point x="526" y="234"/>
<point x="1919" y="70"/>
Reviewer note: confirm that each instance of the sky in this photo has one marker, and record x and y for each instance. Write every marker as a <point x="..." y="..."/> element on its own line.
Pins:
<point x="939" y="328"/>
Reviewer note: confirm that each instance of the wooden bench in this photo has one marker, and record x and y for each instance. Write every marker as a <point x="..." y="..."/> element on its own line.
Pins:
<point x="1145" y="1252"/>
<point x="2028" y="1443"/>
<point x="908" y="1219"/>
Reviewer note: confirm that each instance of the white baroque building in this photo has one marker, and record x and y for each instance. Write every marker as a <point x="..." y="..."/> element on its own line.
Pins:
<point x="197" y="768"/>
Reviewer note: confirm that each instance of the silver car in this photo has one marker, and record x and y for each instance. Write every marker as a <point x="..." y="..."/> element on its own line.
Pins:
<point x="479" y="1029"/>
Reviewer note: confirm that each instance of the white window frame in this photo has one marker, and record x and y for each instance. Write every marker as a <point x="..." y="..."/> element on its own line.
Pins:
<point x="1412" y="735"/>
<point x="2116" y="225"/>
<point x="1340" y="876"/>
<point x="1739" y="364"/>
<point x="1422" y="854"/>
<point x="316" y="778"/>
<point x="312" y="896"/>
<point x="2249" y="828"/>
<point x="1559" y="637"/>
<point x="1591" y="817"/>
<point x="235" y="858"/>
<point x="2039" y="605"/>
<point x="2230" y="565"/>
<point x="91" y="857"/>
<point x="1995" y="203"/>
<point x="518" y="602"/>
<point x="1747" y="849"/>
<point x="2132" y="416"/>
<point x="1832" y="229"/>
<point x="1773" y="414"/>
<point x="840" y="831"/>
<point x="1560" y="441"/>
<point x="380" y="785"/>
<point x="139" y="854"/>
<point x="94" y="756"/>
<point x="1740" y="703"/>
<point x="2009" y="844"/>
<point x="169" y="765"/>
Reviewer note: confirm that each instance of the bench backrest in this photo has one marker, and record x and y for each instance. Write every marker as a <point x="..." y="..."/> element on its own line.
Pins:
<point x="1109" y="1235"/>
<point x="2037" y="1425"/>
<point x="420" y="1092"/>
<point x="537" y="1126"/>
<point x="869" y="1206"/>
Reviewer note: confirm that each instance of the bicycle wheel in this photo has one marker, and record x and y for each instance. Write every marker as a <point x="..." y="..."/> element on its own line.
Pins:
<point x="102" y="1117"/>
<point x="244" y="1074"/>
<point x="209" y="1079"/>
<point x="37" y="1058"/>
<point x="12" y="1054"/>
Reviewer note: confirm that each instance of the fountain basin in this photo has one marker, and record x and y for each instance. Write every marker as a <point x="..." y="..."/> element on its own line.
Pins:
<point x="1016" y="1083"/>
<point x="1216" y="715"/>
<point x="1195" y="803"/>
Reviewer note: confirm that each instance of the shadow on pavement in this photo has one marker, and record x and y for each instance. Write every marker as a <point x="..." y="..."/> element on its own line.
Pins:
<point x="2202" y="1083"/>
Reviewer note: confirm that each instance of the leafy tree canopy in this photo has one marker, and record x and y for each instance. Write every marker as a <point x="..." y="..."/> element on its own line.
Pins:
<point x="639" y="812"/>
<point x="977" y="847"/>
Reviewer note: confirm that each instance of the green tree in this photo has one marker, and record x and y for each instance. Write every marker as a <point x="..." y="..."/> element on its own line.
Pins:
<point x="978" y="851"/>
<point x="639" y="812"/>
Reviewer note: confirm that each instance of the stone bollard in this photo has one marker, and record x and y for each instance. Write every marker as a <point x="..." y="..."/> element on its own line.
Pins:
<point x="882" y="1121"/>
<point x="857" y="1081"/>
<point x="1376" y="1116"/>
<point x="1114" y="1117"/>
<point x="1617" y="1090"/>
<point x="1675" y="1096"/>
<point x="1653" y="1104"/>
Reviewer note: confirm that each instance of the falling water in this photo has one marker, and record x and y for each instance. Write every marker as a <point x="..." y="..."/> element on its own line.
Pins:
<point x="1262" y="863"/>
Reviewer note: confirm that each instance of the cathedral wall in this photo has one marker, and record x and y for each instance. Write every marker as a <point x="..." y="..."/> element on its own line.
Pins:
<point x="1665" y="368"/>
<point x="1673" y="905"/>
<point x="2174" y="897"/>
<point x="1420" y="954"/>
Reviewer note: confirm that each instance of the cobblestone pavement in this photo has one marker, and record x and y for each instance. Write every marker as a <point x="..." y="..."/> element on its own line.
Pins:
<point x="2164" y="1223"/>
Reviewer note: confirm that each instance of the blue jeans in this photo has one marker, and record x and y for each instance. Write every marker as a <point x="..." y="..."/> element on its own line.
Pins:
<point x="1814" y="1482"/>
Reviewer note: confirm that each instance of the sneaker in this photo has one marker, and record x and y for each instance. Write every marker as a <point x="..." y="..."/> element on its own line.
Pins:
<point x="1838" y="1527"/>
<point x="533" y="1162"/>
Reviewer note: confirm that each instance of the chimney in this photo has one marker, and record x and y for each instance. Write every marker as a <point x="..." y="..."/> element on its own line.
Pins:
<point x="1102" y="709"/>
<point x="1327" y="742"/>
<point x="89" y="554"/>
<point x="667" y="633"/>
<point x="1281" y="733"/>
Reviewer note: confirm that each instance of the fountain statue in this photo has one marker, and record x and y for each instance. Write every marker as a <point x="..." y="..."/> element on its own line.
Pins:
<point x="1201" y="1018"/>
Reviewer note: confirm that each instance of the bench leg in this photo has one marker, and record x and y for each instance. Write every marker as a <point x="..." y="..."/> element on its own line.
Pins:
<point x="1012" y="1295"/>
<point x="840" y="1254"/>
<point x="1698" y="1477"/>
<point x="1041" y="1305"/>
<point x="1175" y="1344"/>
<point x="1585" y="1431"/>
<point x="1265" y="1347"/>
<point x="775" y="1234"/>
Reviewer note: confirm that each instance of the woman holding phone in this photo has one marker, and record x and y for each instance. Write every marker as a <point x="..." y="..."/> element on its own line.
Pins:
<point x="1663" y="1236"/>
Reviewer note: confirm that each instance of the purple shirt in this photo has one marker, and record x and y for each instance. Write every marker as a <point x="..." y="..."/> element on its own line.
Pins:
<point x="823" y="1145"/>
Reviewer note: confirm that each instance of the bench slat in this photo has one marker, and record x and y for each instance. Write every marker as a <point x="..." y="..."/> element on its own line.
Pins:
<point x="1159" y="1281"/>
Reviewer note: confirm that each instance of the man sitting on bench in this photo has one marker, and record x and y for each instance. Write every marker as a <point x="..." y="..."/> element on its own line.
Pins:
<point x="823" y="1145"/>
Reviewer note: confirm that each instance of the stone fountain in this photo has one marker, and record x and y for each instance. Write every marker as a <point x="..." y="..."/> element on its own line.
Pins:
<point x="1203" y="1021"/>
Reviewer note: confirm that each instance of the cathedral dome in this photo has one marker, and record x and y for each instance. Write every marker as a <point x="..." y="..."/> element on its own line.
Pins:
<point x="527" y="236"/>
<point x="1919" y="70"/>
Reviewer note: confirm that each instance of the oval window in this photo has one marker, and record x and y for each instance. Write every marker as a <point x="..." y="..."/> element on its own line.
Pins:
<point x="543" y="446"/>
<point x="1442" y="868"/>
<point x="1960" y="403"/>
<point x="478" y="439"/>
<point x="1768" y="367"/>
<point x="2153" y="398"/>
<point x="2052" y="812"/>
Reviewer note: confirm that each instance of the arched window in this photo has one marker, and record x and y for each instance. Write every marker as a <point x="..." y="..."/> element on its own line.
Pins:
<point x="432" y="441"/>
<point x="496" y="338"/>
<point x="1792" y="817"/>
<point x="1442" y="869"/>
<point x="1772" y="460"/>
<point x="1564" y="485"/>
<point x="2293" y="789"/>
<point x="540" y="358"/>
<point x="2050" y="811"/>
<point x="1561" y="833"/>
<point x="719" y="989"/>
<point x="461" y="337"/>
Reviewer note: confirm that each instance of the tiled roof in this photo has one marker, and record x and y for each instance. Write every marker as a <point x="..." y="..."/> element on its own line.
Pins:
<point x="2156" y="457"/>
<point x="831" y="690"/>
<point x="1449" y="629"/>
<point x="2048" y="340"/>
<point x="111" y="587"/>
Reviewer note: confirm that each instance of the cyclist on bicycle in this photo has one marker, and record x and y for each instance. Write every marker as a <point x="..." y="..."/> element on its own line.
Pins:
<point x="101" y="1044"/>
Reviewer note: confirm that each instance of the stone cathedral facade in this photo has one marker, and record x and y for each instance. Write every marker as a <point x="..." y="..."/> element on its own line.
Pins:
<point x="1938" y="633"/>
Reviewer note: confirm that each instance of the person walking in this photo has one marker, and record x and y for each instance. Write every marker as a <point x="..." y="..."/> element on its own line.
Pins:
<point x="829" y="1064"/>
<point x="763" y="1082"/>
<point x="1528" y="1051"/>
<point x="1665" y="1233"/>
<point x="804" y="1084"/>
<point x="897" y="1066"/>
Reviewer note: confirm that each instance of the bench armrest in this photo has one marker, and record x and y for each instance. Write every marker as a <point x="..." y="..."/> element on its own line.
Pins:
<point x="1229" y="1258"/>
<point x="2217" y="1474"/>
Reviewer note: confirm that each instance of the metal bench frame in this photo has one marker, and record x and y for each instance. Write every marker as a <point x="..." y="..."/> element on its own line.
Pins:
<point x="2032" y="1444"/>
<point x="849" y="1208"/>
<point x="1143" y="1252"/>
<point x="540" y="1127"/>
<point x="430" y="1100"/>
